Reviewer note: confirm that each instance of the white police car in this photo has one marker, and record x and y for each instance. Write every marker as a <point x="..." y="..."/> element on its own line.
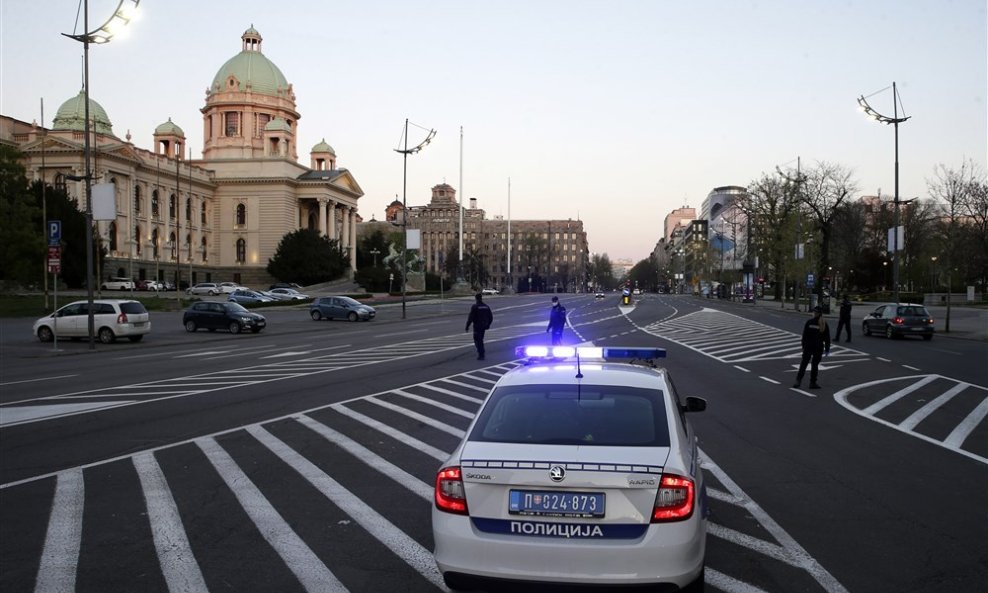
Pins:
<point x="580" y="468"/>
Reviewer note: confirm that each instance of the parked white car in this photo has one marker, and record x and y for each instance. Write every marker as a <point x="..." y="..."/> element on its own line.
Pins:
<point x="487" y="291"/>
<point x="286" y="294"/>
<point x="207" y="288"/>
<point x="112" y="319"/>
<point x="117" y="283"/>
<point x="229" y="287"/>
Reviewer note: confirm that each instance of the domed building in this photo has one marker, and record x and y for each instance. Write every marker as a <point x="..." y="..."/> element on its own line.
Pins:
<point x="217" y="218"/>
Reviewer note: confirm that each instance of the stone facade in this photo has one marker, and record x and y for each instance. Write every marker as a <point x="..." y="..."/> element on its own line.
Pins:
<point x="555" y="250"/>
<point x="217" y="218"/>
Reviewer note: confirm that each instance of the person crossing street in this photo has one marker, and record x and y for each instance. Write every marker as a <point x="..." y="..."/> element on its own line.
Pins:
<point x="844" y="319"/>
<point x="481" y="318"/>
<point x="557" y="321"/>
<point x="815" y="342"/>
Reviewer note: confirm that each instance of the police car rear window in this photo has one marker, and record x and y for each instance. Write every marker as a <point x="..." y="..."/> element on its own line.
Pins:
<point x="568" y="415"/>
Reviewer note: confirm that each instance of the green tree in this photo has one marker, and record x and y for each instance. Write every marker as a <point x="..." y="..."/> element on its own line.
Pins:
<point x="645" y="275"/>
<point x="22" y="247"/>
<point x="307" y="257"/>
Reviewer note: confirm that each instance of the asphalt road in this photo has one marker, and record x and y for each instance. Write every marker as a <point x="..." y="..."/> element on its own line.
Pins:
<point x="302" y="458"/>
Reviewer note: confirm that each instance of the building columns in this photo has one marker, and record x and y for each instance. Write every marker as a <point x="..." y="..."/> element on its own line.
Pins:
<point x="322" y="216"/>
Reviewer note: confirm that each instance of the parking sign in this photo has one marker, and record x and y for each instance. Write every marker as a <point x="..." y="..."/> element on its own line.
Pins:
<point x="54" y="232"/>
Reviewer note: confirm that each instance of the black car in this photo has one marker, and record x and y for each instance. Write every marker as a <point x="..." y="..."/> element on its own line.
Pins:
<point x="896" y="321"/>
<point x="213" y="316"/>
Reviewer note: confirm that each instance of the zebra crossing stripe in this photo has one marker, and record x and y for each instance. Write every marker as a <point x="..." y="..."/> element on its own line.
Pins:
<point x="178" y="564"/>
<point x="314" y="576"/>
<point x="383" y="530"/>
<point x="60" y="556"/>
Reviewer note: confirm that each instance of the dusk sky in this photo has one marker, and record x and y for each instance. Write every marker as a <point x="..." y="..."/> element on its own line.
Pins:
<point x="609" y="112"/>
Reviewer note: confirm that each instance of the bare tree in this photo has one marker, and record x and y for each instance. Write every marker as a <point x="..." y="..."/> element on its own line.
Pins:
<point x="952" y="189"/>
<point x="772" y="206"/>
<point x="827" y="190"/>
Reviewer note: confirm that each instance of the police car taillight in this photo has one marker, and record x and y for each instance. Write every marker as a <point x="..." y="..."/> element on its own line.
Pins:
<point x="450" y="495"/>
<point x="675" y="499"/>
<point x="588" y="353"/>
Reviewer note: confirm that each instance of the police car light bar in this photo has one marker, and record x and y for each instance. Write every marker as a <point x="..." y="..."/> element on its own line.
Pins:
<point x="588" y="353"/>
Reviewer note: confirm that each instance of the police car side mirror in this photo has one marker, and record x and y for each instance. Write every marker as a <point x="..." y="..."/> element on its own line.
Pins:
<point x="695" y="404"/>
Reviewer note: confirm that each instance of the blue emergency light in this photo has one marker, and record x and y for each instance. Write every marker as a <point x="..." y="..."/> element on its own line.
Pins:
<point x="607" y="353"/>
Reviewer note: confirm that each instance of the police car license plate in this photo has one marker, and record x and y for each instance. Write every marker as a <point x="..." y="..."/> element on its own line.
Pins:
<point x="556" y="504"/>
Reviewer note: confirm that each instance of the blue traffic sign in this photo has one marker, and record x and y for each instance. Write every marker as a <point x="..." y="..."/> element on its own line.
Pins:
<point x="54" y="232"/>
<point x="810" y="280"/>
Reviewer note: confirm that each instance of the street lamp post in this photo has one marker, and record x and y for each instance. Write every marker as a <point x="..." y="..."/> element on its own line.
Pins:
<point x="404" y="203"/>
<point x="375" y="252"/>
<point x="121" y="16"/>
<point x="933" y="274"/>
<point x="895" y="120"/>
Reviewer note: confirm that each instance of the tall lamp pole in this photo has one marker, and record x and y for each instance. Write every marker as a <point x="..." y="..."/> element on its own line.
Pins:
<point x="404" y="202"/>
<point x="895" y="120"/>
<point x="121" y="16"/>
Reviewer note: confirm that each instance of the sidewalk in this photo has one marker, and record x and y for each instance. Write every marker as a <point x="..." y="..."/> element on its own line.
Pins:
<point x="969" y="323"/>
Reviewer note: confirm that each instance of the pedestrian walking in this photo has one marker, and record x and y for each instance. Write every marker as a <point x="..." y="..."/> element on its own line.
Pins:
<point x="557" y="321"/>
<point x="481" y="318"/>
<point x="844" y="319"/>
<point x="815" y="342"/>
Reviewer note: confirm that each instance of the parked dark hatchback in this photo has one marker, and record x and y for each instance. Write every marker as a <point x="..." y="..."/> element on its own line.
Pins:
<point x="895" y="321"/>
<point x="213" y="316"/>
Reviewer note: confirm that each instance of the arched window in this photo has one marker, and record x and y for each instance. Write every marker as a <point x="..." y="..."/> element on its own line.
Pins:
<point x="171" y="206"/>
<point x="155" y="244"/>
<point x="172" y="244"/>
<point x="155" y="205"/>
<point x="188" y="210"/>
<point x="202" y="214"/>
<point x="111" y="232"/>
<point x="241" y="214"/>
<point x="241" y="251"/>
<point x="137" y="236"/>
<point x="203" y="247"/>
<point x="137" y="199"/>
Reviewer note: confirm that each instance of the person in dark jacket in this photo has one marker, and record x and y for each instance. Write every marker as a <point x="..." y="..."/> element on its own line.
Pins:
<point x="844" y="320"/>
<point x="816" y="341"/>
<point x="557" y="321"/>
<point x="481" y="318"/>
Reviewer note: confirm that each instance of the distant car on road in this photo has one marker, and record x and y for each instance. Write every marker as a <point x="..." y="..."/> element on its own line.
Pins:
<point x="340" y="307"/>
<point x="245" y="296"/>
<point x="287" y="294"/>
<point x="112" y="319"/>
<point x="212" y="315"/>
<point x="598" y="295"/>
<point x="207" y="288"/>
<point x="490" y="291"/>
<point x="285" y="285"/>
<point x="898" y="320"/>
<point x="118" y="283"/>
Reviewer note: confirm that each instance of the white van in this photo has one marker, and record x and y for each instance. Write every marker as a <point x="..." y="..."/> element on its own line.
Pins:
<point x="112" y="319"/>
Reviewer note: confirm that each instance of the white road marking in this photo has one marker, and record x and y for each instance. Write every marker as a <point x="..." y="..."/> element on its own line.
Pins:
<point x="741" y="369"/>
<point x="383" y="530"/>
<point x="178" y="564"/>
<point x="883" y="359"/>
<point x="14" y="415"/>
<point x="36" y="380"/>
<point x="313" y="575"/>
<point x="806" y="393"/>
<point x="60" y="557"/>
<point x="769" y="380"/>
<point x="299" y="353"/>
<point x="797" y="555"/>
<point x="910" y="368"/>
<point x="954" y="440"/>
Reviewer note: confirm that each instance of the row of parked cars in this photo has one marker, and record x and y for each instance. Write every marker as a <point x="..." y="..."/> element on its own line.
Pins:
<point x="123" y="318"/>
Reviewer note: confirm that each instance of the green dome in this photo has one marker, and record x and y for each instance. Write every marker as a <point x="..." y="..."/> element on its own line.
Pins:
<point x="277" y="125"/>
<point x="72" y="116"/>
<point x="323" y="147"/>
<point x="251" y="66"/>
<point x="169" y="129"/>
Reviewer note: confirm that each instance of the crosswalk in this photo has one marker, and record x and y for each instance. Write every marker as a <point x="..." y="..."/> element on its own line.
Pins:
<point x="335" y="498"/>
<point x="82" y="402"/>
<point x="937" y="409"/>
<point x="733" y="339"/>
